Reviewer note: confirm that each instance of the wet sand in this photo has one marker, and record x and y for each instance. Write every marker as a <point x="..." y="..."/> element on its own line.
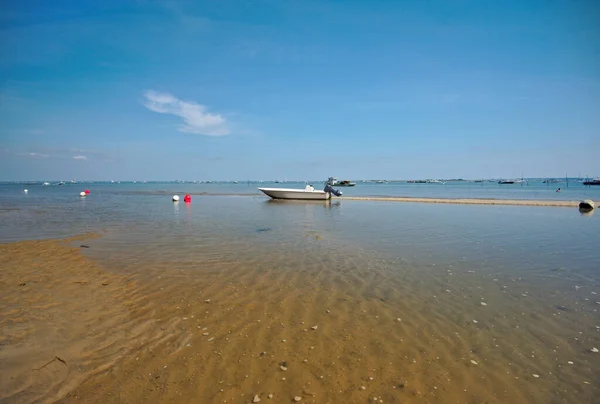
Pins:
<point x="467" y="201"/>
<point x="225" y="330"/>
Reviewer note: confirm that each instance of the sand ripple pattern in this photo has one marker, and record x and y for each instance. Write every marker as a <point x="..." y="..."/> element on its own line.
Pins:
<point x="317" y="321"/>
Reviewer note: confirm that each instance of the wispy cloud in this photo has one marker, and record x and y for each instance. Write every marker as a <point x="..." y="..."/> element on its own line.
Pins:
<point x="195" y="116"/>
<point x="34" y="155"/>
<point x="63" y="153"/>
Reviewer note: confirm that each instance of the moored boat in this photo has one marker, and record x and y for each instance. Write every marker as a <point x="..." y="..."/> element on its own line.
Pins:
<point x="309" y="193"/>
<point x="596" y="181"/>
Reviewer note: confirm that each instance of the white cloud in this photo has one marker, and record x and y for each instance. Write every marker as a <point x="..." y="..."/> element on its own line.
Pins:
<point x="79" y="158"/>
<point x="34" y="155"/>
<point x="195" y="117"/>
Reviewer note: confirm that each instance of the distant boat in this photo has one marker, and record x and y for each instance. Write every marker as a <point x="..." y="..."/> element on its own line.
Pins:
<point x="46" y="183"/>
<point x="506" y="182"/>
<point x="346" y="183"/>
<point x="593" y="182"/>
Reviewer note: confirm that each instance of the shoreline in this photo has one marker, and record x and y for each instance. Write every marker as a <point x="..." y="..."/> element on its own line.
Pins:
<point x="464" y="201"/>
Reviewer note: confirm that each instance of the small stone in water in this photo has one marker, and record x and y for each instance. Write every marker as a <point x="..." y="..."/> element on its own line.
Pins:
<point x="475" y="321"/>
<point x="398" y="319"/>
<point x="283" y="367"/>
<point x="570" y="362"/>
<point x="483" y="303"/>
<point x="473" y="362"/>
<point x="536" y="376"/>
<point x="256" y="399"/>
<point x="595" y="350"/>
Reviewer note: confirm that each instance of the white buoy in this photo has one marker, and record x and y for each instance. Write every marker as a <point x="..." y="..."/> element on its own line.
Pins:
<point x="25" y="191"/>
<point x="175" y="198"/>
<point x="82" y="194"/>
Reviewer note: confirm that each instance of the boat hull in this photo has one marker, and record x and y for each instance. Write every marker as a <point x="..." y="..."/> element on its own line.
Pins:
<point x="297" y="194"/>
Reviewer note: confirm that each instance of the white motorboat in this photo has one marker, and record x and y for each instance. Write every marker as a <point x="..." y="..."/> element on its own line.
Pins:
<point x="308" y="193"/>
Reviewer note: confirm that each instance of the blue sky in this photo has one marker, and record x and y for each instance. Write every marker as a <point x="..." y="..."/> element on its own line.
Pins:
<point x="301" y="89"/>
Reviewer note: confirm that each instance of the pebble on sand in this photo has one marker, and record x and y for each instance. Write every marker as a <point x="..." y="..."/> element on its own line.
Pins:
<point x="314" y="327"/>
<point x="297" y="398"/>
<point x="270" y="395"/>
<point x="363" y="388"/>
<point x="536" y="376"/>
<point x="474" y="362"/>
<point x="483" y="303"/>
<point x="283" y="367"/>
<point x="256" y="399"/>
<point x="595" y="350"/>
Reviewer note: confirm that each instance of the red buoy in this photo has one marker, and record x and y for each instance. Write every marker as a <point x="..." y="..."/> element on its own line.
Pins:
<point x="187" y="198"/>
<point x="87" y="191"/>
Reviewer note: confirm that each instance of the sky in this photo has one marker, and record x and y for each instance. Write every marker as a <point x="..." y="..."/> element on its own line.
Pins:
<point x="298" y="89"/>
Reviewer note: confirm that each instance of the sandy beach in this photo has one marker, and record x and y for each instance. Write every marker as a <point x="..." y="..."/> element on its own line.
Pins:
<point x="224" y="331"/>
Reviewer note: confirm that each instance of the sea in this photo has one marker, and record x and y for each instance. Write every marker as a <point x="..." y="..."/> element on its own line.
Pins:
<point x="530" y="274"/>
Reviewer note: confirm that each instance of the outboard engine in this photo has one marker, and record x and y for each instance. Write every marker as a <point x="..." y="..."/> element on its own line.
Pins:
<point x="330" y="189"/>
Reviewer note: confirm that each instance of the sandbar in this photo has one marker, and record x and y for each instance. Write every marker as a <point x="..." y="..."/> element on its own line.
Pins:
<point x="465" y="201"/>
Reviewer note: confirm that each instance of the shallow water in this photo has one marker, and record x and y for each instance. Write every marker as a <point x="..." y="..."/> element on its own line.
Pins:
<point x="514" y="289"/>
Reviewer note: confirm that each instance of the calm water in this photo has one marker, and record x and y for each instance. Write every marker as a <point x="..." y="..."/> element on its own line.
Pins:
<point x="521" y="238"/>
